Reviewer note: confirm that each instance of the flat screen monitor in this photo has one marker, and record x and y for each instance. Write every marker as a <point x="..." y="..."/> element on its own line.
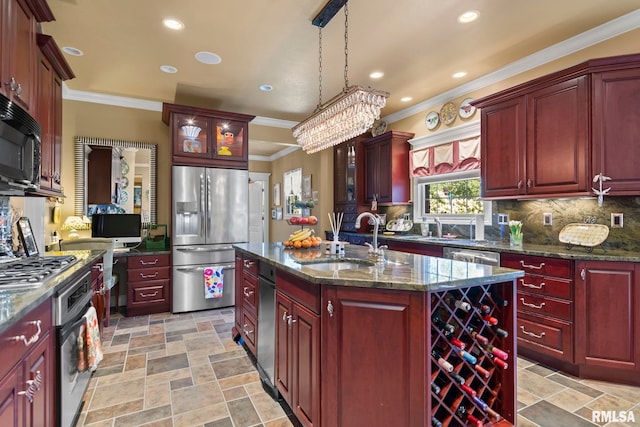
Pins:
<point x="123" y="228"/>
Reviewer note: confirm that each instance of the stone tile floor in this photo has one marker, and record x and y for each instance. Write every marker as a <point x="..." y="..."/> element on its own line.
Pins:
<point x="184" y="370"/>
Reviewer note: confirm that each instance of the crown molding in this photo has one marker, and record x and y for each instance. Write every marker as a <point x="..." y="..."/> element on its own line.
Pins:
<point x="276" y="123"/>
<point x="613" y="28"/>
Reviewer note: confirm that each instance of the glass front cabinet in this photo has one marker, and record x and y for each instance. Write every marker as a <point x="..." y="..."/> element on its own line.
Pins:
<point x="207" y="137"/>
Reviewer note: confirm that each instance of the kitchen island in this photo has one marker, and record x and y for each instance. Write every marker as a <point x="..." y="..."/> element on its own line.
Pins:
<point x="376" y="342"/>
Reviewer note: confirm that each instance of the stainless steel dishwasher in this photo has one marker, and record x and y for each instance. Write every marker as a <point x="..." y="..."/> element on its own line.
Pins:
<point x="472" y="255"/>
<point x="267" y="328"/>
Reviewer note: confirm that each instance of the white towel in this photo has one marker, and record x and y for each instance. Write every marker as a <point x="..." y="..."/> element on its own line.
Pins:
<point x="213" y="282"/>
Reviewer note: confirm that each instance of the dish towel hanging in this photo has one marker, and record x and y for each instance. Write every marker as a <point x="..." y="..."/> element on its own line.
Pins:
<point x="213" y="282"/>
<point x="89" y="346"/>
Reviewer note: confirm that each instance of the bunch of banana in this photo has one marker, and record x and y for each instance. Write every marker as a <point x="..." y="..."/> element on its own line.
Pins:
<point x="301" y="234"/>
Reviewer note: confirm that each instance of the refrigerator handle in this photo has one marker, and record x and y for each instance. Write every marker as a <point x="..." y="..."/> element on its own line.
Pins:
<point x="202" y="214"/>
<point x="199" y="249"/>
<point x="194" y="269"/>
<point x="208" y="203"/>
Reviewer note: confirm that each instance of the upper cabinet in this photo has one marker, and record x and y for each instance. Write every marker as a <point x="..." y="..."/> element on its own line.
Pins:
<point x="551" y="136"/>
<point x="52" y="70"/>
<point x="386" y="167"/>
<point x="207" y="137"/>
<point x="18" y="49"/>
<point x="347" y="179"/>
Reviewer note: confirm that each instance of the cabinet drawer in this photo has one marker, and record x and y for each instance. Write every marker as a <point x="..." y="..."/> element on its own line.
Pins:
<point x="545" y="335"/>
<point x="250" y="293"/>
<point x="145" y="261"/>
<point x="538" y="265"/>
<point x="545" y="286"/>
<point x="13" y="346"/>
<point x="150" y="292"/>
<point x="144" y="274"/>
<point x="303" y="292"/>
<point x="542" y="305"/>
<point x="250" y="266"/>
<point x="249" y="331"/>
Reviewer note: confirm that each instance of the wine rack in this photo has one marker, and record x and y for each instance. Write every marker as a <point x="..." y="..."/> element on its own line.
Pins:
<point x="473" y="386"/>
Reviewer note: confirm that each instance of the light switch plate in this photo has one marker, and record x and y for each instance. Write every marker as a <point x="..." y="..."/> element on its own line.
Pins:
<point x="617" y="220"/>
<point x="503" y="218"/>
<point x="547" y="219"/>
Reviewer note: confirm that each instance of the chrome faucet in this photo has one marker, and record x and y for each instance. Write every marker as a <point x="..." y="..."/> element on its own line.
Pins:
<point x="438" y="226"/>
<point x="376" y="223"/>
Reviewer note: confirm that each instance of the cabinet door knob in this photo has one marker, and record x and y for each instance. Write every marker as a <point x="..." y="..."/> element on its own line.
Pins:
<point x="18" y="90"/>
<point x="12" y="84"/>
<point x="330" y="308"/>
<point x="520" y="184"/>
<point x="583" y="274"/>
<point x="528" y="183"/>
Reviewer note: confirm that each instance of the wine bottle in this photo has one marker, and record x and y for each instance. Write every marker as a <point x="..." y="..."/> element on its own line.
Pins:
<point x="458" y="343"/>
<point x="473" y="329"/>
<point x="441" y="361"/>
<point x="495" y="351"/>
<point x="435" y="388"/>
<point x="499" y="301"/>
<point x="446" y="328"/>
<point x="499" y="332"/>
<point x="466" y="356"/>
<point x="484" y="308"/>
<point x="483" y="372"/>
<point x="466" y="416"/>
<point x="457" y="303"/>
<point x="501" y="363"/>
<point x="491" y="321"/>
<point x="435" y="422"/>
<point x="471" y="392"/>
<point x="457" y="378"/>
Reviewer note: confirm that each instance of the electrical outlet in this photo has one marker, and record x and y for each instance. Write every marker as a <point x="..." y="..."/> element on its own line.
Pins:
<point x="503" y="218"/>
<point x="547" y="219"/>
<point x="617" y="220"/>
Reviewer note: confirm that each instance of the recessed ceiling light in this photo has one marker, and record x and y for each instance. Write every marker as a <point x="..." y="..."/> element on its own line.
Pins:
<point x="170" y="69"/>
<point x="459" y="74"/>
<point x="173" y="24"/>
<point x="468" y="16"/>
<point x="72" y="51"/>
<point x="376" y="75"/>
<point x="265" y="88"/>
<point x="406" y="99"/>
<point x="208" y="58"/>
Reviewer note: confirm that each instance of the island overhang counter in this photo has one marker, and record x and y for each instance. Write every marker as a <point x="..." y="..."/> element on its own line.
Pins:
<point x="405" y="339"/>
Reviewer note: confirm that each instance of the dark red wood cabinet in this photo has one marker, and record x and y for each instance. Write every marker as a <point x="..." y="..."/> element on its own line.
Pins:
<point x="616" y="128"/>
<point x="148" y="284"/>
<point x="52" y="70"/>
<point x="297" y="371"/>
<point x="607" y="319"/>
<point x="386" y="168"/>
<point x="348" y="174"/>
<point x="22" y="364"/>
<point x="415" y="248"/>
<point x="246" y="299"/>
<point x="205" y="137"/>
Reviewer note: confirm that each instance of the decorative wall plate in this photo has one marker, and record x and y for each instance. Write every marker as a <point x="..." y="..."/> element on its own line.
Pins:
<point x="379" y="127"/>
<point x="448" y="113"/>
<point x="466" y="109"/>
<point x="432" y="120"/>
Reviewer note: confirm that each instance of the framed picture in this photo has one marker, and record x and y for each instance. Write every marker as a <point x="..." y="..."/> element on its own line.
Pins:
<point x="276" y="194"/>
<point x="315" y="196"/>
<point x="137" y="196"/>
<point x="306" y="186"/>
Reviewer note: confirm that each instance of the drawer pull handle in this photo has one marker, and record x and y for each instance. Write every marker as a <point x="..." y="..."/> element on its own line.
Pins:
<point x="149" y="276"/>
<point x="34" y="338"/>
<point x="531" y="285"/>
<point x="532" y="266"/>
<point x="248" y="263"/>
<point x="142" y="262"/>
<point x="245" y="330"/>
<point x="291" y="321"/>
<point x="148" y="295"/>
<point x="531" y="334"/>
<point x="528" y="304"/>
<point x="247" y="292"/>
<point x="284" y="316"/>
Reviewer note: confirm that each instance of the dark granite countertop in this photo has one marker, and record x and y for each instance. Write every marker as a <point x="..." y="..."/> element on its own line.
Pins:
<point x="548" y="250"/>
<point x="399" y="271"/>
<point x="14" y="304"/>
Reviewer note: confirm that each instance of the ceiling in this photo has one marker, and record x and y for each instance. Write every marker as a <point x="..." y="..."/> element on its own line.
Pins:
<point x="418" y="44"/>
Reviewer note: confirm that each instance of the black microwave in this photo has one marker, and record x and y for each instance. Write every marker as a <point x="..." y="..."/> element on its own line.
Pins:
<point x="19" y="150"/>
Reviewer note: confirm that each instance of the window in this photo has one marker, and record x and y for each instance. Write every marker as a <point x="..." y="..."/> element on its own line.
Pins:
<point x="453" y="198"/>
<point x="292" y="192"/>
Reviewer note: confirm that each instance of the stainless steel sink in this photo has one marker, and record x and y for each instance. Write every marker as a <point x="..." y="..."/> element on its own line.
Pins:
<point x="333" y="264"/>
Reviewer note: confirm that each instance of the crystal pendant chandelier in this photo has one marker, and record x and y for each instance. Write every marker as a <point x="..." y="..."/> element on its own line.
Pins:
<point x="347" y="115"/>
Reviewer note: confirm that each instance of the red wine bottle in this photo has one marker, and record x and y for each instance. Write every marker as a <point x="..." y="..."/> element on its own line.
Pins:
<point x="462" y="413"/>
<point x="458" y="343"/>
<point x="495" y="351"/>
<point x="501" y="363"/>
<point x="474" y="329"/>
<point x="447" y="328"/>
<point x="492" y="321"/>
<point x="480" y="370"/>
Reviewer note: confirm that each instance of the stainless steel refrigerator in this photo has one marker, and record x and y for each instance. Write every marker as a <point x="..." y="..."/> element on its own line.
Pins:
<point x="210" y="214"/>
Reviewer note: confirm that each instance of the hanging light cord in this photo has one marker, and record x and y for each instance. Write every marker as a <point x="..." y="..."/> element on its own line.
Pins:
<point x="346" y="45"/>
<point x="319" y="69"/>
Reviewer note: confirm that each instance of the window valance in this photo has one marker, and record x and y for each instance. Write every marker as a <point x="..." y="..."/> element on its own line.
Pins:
<point x="445" y="158"/>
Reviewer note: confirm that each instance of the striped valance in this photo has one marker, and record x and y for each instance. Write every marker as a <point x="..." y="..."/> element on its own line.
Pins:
<point x="445" y="158"/>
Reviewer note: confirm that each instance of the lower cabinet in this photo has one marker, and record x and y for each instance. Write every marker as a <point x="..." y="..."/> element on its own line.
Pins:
<point x="246" y="300"/>
<point x="415" y="248"/>
<point x="297" y="370"/>
<point x="607" y="318"/>
<point x="364" y="383"/>
<point x="27" y="376"/>
<point x="148" y="278"/>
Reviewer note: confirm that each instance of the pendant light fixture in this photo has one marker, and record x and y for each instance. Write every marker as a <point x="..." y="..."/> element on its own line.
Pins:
<point x="347" y="115"/>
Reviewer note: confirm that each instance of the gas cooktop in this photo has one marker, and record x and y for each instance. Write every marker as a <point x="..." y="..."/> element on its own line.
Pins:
<point x="33" y="271"/>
